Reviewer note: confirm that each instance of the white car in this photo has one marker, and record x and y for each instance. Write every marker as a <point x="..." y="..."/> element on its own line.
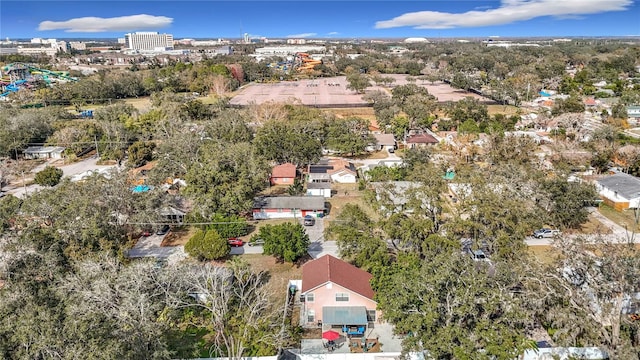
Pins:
<point x="545" y="233"/>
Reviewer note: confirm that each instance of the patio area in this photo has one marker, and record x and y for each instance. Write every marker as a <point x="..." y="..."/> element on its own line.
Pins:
<point x="378" y="339"/>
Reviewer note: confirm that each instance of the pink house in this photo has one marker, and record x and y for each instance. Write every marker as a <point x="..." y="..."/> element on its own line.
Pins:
<point x="283" y="174"/>
<point x="337" y="294"/>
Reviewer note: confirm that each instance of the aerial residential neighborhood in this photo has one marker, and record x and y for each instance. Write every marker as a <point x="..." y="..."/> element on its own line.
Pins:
<point x="430" y="181"/>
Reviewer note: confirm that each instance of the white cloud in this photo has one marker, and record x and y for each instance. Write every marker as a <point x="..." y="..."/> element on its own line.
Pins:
<point x="303" y="35"/>
<point x="508" y="12"/>
<point x="333" y="33"/>
<point x="96" y="24"/>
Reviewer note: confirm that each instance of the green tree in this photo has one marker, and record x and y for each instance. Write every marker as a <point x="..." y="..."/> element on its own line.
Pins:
<point x="569" y="201"/>
<point x="207" y="245"/>
<point x="287" y="242"/>
<point x="50" y="176"/>
<point x="357" y="240"/>
<point x="229" y="225"/>
<point x="282" y="142"/>
<point x="349" y="136"/>
<point x="358" y="82"/>
<point x="140" y="153"/>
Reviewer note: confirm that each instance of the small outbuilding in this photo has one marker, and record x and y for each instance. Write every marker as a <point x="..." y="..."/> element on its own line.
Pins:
<point x="43" y="152"/>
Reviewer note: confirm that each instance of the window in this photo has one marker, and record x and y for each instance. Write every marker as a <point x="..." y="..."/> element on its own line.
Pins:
<point x="342" y="297"/>
<point x="371" y="315"/>
<point x="311" y="316"/>
<point x="311" y="297"/>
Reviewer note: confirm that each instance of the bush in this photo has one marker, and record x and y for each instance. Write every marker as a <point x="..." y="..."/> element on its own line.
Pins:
<point x="229" y="226"/>
<point x="207" y="246"/>
<point x="50" y="176"/>
<point x="286" y="242"/>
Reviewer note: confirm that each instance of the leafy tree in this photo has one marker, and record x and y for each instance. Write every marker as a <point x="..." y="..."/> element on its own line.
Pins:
<point x="468" y="109"/>
<point x="454" y="298"/>
<point x="569" y="201"/>
<point x="207" y="245"/>
<point x="9" y="207"/>
<point x="297" y="188"/>
<point x="573" y="104"/>
<point x="357" y="240"/>
<point x="229" y="226"/>
<point x="358" y="82"/>
<point x="50" y="176"/>
<point x="283" y="143"/>
<point x="350" y="136"/>
<point x="226" y="178"/>
<point x="287" y="242"/>
<point x="140" y="153"/>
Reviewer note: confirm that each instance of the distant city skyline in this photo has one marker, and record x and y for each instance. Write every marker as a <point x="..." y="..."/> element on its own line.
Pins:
<point x="320" y="19"/>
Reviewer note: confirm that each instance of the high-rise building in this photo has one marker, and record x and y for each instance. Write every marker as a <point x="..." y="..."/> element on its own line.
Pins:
<point x="149" y="41"/>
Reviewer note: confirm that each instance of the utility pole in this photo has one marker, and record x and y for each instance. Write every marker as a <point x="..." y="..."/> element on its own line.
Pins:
<point x="24" y="184"/>
<point x="95" y="139"/>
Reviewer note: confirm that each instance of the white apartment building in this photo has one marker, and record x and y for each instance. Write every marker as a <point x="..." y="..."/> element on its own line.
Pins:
<point x="148" y="41"/>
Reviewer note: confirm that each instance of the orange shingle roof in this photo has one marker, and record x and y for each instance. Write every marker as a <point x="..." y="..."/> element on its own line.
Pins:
<point x="330" y="269"/>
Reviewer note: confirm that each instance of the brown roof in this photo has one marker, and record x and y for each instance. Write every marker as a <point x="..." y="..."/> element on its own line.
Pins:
<point x="421" y="139"/>
<point x="287" y="170"/>
<point x="339" y="164"/>
<point x="330" y="269"/>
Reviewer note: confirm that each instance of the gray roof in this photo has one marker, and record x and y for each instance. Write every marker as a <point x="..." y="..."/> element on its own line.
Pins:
<point x="290" y="202"/>
<point x="396" y="190"/>
<point x="385" y="139"/>
<point x="319" y="185"/>
<point x="344" y="315"/>
<point x="625" y="185"/>
<point x="43" y="149"/>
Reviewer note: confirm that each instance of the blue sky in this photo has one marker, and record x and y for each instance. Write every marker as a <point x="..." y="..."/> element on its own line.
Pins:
<point x="320" y="19"/>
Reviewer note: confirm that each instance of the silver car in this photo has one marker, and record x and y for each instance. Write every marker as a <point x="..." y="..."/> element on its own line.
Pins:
<point x="545" y="233"/>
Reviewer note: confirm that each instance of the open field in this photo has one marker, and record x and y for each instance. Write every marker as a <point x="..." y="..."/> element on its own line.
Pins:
<point x="179" y="236"/>
<point x="280" y="274"/>
<point x="333" y="92"/>
<point x="503" y="109"/>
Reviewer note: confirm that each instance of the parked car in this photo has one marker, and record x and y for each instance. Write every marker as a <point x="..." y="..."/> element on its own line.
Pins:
<point x="163" y="230"/>
<point x="256" y="241"/>
<point x="309" y="220"/>
<point x="479" y="255"/>
<point x="234" y="241"/>
<point x="146" y="232"/>
<point x="545" y="233"/>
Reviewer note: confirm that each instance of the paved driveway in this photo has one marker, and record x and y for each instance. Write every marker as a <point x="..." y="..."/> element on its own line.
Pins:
<point x="318" y="246"/>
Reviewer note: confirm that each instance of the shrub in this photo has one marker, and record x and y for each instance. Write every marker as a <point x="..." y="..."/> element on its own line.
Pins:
<point x="207" y="245"/>
<point x="50" y="176"/>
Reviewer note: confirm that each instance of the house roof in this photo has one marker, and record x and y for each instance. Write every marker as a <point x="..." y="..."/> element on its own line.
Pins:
<point x="318" y="185"/>
<point x="385" y="139"/>
<point x="330" y="269"/>
<point x="43" y="149"/>
<point x="290" y="202"/>
<point x="421" y="139"/>
<point x="287" y="170"/>
<point x="625" y="185"/>
<point x="341" y="165"/>
<point x="590" y="102"/>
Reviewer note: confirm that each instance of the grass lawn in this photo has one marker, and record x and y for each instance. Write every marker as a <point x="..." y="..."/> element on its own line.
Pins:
<point x="624" y="218"/>
<point x="255" y="225"/>
<point x="546" y="254"/>
<point x="593" y="226"/>
<point x="179" y="236"/>
<point x="280" y="274"/>
<point x="502" y="109"/>
<point x="348" y="195"/>
<point x="140" y="103"/>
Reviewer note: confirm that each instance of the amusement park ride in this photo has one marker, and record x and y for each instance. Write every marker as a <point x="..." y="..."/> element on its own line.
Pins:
<point x="17" y="75"/>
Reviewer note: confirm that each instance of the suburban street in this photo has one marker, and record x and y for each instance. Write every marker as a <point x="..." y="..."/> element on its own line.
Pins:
<point x="618" y="233"/>
<point x="75" y="169"/>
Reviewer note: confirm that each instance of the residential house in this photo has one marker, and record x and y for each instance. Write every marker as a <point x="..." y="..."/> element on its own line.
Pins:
<point x="633" y="112"/>
<point x="338" y="295"/>
<point x="336" y="170"/>
<point x="399" y="196"/>
<point x="384" y="142"/>
<point x="343" y="172"/>
<point x="413" y="141"/>
<point x="172" y="214"/>
<point x="43" y="152"/>
<point x="620" y="191"/>
<point x="283" y="174"/>
<point x="286" y="207"/>
<point x="319" y="189"/>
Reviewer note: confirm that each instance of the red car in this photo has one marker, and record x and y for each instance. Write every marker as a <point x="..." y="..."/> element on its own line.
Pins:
<point x="235" y="242"/>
